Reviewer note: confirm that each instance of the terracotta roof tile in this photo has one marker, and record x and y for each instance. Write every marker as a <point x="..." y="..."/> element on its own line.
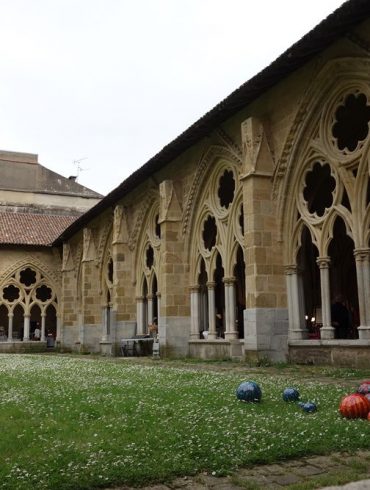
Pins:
<point x="32" y="229"/>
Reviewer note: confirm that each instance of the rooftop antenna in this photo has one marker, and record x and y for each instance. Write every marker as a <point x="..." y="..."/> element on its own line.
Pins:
<point x="79" y="169"/>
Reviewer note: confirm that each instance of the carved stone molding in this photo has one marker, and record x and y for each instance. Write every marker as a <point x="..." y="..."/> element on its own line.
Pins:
<point x="147" y="202"/>
<point x="31" y="261"/>
<point x="257" y="153"/>
<point x="104" y="236"/>
<point x="213" y="152"/>
<point x="89" y="250"/>
<point x="233" y="147"/>
<point x="120" y="225"/>
<point x="169" y="207"/>
<point x="68" y="263"/>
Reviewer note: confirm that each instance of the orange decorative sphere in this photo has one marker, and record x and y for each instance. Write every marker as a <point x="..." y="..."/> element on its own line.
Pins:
<point x="354" y="406"/>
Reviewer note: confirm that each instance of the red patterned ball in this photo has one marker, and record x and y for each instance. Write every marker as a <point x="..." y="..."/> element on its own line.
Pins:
<point x="364" y="388"/>
<point x="354" y="406"/>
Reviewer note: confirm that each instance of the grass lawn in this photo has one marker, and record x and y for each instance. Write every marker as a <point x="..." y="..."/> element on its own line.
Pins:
<point x="82" y="423"/>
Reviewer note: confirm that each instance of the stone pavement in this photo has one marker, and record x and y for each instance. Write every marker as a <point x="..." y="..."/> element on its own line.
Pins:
<point x="296" y="474"/>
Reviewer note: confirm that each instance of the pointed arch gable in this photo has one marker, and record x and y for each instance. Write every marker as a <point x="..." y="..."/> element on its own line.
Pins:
<point x="148" y="238"/>
<point x="53" y="276"/>
<point x="214" y="153"/>
<point x="149" y="198"/>
<point x="336" y="77"/>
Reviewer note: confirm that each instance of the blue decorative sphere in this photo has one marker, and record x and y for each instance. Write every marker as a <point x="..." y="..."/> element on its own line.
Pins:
<point x="290" y="395"/>
<point x="308" y="407"/>
<point x="249" y="391"/>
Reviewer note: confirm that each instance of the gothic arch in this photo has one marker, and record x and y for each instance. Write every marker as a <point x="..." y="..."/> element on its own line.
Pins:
<point x="211" y="158"/>
<point x="336" y="80"/>
<point x="148" y="200"/>
<point x="321" y="185"/>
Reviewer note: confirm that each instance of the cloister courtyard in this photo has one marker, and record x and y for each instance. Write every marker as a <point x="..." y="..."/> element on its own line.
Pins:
<point x="83" y="422"/>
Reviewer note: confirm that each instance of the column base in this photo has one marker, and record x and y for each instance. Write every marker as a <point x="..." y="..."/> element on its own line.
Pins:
<point x="106" y="348"/>
<point x="212" y="336"/>
<point x="298" y="334"/>
<point x="231" y="335"/>
<point x="364" y="332"/>
<point x="194" y="336"/>
<point x="327" y="333"/>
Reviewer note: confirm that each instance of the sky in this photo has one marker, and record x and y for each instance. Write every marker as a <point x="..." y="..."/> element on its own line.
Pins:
<point x="98" y="87"/>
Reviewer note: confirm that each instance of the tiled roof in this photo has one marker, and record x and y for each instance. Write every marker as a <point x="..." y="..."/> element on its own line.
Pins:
<point x="32" y="229"/>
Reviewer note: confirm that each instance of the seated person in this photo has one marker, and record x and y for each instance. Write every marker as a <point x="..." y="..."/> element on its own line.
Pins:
<point x="153" y="328"/>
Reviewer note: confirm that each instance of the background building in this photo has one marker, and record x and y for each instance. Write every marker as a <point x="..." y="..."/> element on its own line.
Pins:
<point x="36" y="205"/>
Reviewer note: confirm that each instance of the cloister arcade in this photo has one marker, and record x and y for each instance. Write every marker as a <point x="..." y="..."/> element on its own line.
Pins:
<point x="328" y="217"/>
<point x="28" y="301"/>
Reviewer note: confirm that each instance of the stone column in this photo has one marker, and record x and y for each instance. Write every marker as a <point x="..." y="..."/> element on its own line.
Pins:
<point x="297" y="329"/>
<point x="194" y="307"/>
<point x="105" y="322"/>
<point x="327" y="331"/>
<point x="10" y="327"/>
<point x="230" y="330"/>
<point x="150" y="309"/>
<point x="158" y="307"/>
<point x="140" y="315"/>
<point x="59" y="338"/>
<point x="26" y="327"/>
<point x="43" y="318"/>
<point x="211" y="311"/>
<point x="362" y="257"/>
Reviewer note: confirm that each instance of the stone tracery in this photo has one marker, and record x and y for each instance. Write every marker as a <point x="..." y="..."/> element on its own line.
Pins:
<point x="332" y="163"/>
<point x="215" y="234"/>
<point x="28" y="290"/>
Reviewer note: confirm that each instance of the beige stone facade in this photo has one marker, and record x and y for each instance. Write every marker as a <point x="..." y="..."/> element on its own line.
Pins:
<point x="36" y="205"/>
<point x="249" y="237"/>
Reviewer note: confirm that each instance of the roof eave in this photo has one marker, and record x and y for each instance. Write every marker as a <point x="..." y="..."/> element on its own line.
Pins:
<point x="337" y="24"/>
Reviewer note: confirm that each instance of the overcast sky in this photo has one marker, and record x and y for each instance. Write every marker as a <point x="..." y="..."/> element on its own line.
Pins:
<point x="110" y="82"/>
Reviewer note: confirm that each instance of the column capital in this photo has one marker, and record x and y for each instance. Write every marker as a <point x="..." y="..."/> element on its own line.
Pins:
<point x="323" y="262"/>
<point x="229" y="280"/>
<point x="150" y="296"/>
<point x="291" y="269"/>
<point x="139" y="298"/>
<point x="211" y="285"/>
<point x="361" y="254"/>
<point x="195" y="288"/>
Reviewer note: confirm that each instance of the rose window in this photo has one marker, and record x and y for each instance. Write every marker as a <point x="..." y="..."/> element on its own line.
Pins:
<point x="43" y="293"/>
<point x="11" y="293"/>
<point x="352" y="122"/>
<point x="149" y="257"/>
<point x="226" y="189"/>
<point x="28" y="277"/>
<point x="209" y="233"/>
<point x="318" y="190"/>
